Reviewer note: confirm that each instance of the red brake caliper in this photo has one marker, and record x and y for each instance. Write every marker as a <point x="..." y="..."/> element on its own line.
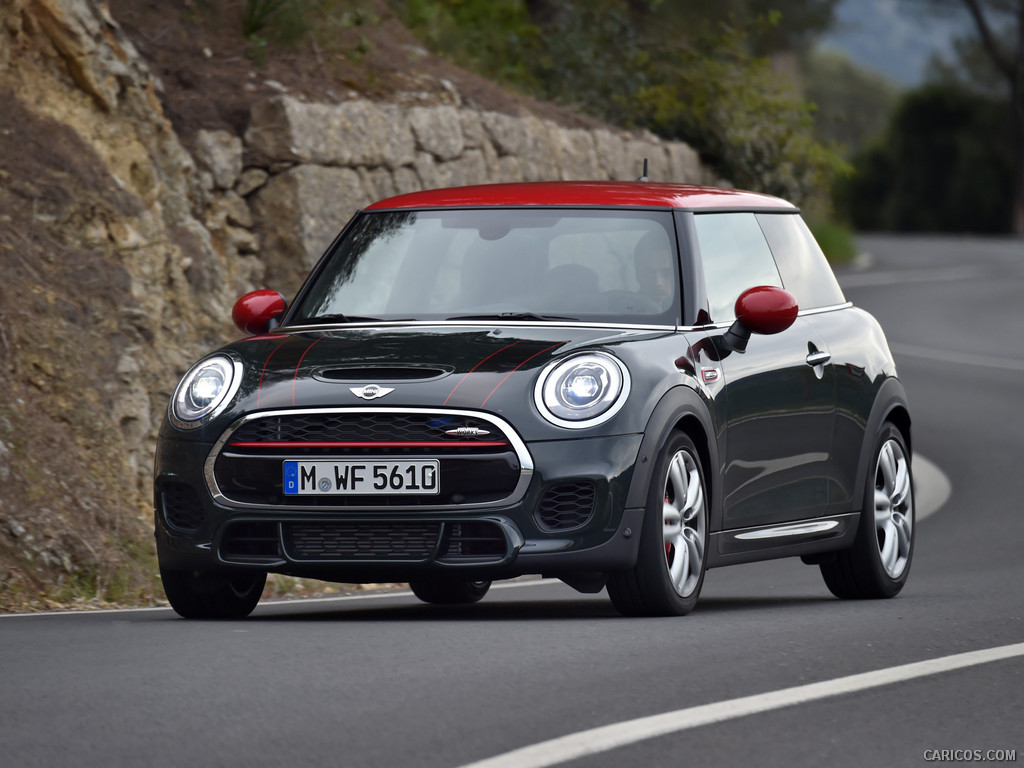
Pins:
<point x="668" y="547"/>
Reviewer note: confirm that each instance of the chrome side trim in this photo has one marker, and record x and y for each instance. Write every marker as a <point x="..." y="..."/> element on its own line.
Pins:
<point x="526" y="465"/>
<point x="822" y="310"/>
<point x="782" y="531"/>
<point x="801" y="313"/>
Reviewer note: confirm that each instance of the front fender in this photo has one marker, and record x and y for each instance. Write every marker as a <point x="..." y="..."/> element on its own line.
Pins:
<point x="890" y="405"/>
<point x="681" y="408"/>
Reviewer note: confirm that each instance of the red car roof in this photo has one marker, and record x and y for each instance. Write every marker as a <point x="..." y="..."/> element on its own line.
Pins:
<point x="585" y="193"/>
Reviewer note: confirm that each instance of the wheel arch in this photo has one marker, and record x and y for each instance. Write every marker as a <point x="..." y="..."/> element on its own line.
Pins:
<point x="890" y="406"/>
<point x="681" y="410"/>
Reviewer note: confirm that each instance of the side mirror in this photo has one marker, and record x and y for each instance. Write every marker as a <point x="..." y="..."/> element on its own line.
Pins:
<point x="763" y="309"/>
<point x="255" y="312"/>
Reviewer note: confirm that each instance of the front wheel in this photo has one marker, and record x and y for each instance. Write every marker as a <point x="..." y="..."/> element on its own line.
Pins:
<point x="878" y="562"/>
<point x="213" y="594"/>
<point x="670" y="567"/>
<point x="449" y="590"/>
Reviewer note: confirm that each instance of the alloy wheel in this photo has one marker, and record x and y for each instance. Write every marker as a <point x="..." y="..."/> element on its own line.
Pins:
<point x="684" y="522"/>
<point x="894" y="508"/>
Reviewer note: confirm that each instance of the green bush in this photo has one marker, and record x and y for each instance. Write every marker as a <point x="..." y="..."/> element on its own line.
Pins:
<point x="835" y="239"/>
<point x="287" y="23"/>
<point x="944" y="165"/>
<point x="683" y="73"/>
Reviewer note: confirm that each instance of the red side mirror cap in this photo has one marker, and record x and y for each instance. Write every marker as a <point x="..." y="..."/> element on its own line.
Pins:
<point x="254" y="312"/>
<point x="766" y="310"/>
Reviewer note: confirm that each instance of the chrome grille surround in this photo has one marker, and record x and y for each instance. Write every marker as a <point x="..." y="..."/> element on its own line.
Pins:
<point x="502" y="428"/>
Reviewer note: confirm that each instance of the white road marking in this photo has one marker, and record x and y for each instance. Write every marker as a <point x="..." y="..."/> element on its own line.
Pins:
<point x="932" y="488"/>
<point x="608" y="737"/>
<point x="902" y="277"/>
<point x="284" y="601"/>
<point x="958" y="358"/>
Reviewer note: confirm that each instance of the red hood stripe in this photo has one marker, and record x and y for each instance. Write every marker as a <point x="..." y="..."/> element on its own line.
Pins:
<point x="298" y="365"/>
<point x="465" y="376"/>
<point x="505" y="378"/>
<point x="263" y="373"/>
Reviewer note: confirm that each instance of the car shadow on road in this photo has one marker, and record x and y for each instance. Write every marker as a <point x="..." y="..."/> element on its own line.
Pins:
<point x="541" y="610"/>
<point x="513" y="610"/>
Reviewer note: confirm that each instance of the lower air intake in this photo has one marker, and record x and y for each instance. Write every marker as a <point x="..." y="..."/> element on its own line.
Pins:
<point x="566" y="507"/>
<point x="473" y="542"/>
<point x="250" y="542"/>
<point x="361" y="540"/>
<point x="182" y="509"/>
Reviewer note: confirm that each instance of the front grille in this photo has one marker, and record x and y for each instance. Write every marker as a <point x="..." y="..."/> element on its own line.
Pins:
<point x="568" y="506"/>
<point x="182" y="509"/>
<point x="479" y="463"/>
<point x="334" y="540"/>
<point x="362" y="428"/>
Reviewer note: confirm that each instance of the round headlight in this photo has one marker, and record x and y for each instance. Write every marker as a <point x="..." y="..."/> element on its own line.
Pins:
<point x="582" y="391"/>
<point x="205" y="390"/>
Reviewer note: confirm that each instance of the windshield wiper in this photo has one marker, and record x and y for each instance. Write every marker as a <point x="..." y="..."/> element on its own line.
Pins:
<point x="511" y="316"/>
<point x="335" y="318"/>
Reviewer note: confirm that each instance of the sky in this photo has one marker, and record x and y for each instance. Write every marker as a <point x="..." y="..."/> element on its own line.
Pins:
<point x="888" y="36"/>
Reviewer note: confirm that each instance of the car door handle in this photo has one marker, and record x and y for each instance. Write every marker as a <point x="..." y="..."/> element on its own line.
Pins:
<point x="818" y="358"/>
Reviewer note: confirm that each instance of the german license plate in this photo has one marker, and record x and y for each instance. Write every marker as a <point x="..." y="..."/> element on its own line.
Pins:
<point x="361" y="478"/>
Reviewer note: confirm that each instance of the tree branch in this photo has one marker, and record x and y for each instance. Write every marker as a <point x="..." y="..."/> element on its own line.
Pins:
<point x="988" y="40"/>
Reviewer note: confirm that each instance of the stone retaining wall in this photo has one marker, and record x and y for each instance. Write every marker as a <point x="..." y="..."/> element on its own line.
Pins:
<point x="303" y="169"/>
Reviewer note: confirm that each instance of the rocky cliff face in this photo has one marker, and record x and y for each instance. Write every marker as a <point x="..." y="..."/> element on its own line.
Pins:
<point x="122" y="252"/>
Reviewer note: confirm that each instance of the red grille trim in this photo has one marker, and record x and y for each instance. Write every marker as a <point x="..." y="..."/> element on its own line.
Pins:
<point x="376" y="444"/>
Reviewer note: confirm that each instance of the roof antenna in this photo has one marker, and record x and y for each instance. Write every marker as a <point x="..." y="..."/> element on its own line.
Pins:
<point x="644" y="177"/>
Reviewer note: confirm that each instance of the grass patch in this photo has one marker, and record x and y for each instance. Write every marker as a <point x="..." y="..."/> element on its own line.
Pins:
<point x="291" y="23"/>
<point x="836" y="240"/>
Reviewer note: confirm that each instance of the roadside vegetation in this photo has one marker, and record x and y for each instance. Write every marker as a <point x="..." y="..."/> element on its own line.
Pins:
<point x="744" y="84"/>
<point x="722" y="77"/>
<point x="714" y="76"/>
<point x="951" y="155"/>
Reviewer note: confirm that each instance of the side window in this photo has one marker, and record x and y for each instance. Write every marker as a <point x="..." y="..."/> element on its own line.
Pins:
<point x="804" y="269"/>
<point x="735" y="257"/>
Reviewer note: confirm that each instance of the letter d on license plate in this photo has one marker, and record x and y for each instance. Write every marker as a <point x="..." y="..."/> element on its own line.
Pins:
<point x="366" y="477"/>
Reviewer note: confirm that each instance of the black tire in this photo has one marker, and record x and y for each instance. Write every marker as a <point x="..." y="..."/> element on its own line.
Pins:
<point x="448" y="590"/>
<point x="867" y="570"/>
<point x="659" y="584"/>
<point x="213" y="594"/>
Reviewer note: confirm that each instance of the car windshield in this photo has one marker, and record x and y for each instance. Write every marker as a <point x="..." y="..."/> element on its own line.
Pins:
<point x="593" y="265"/>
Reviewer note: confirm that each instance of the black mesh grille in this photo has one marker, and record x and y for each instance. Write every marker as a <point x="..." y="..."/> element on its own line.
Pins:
<point x="361" y="540"/>
<point x="365" y="427"/>
<point x="568" y="506"/>
<point x="478" y="464"/>
<point x="182" y="509"/>
<point x="465" y="480"/>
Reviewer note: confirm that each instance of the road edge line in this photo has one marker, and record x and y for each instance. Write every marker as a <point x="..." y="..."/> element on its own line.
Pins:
<point x="605" y="738"/>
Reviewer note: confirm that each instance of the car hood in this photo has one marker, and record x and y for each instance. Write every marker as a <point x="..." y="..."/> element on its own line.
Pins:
<point x="487" y="368"/>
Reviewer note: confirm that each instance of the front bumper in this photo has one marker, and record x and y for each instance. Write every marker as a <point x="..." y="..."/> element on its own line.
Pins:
<point x="569" y="516"/>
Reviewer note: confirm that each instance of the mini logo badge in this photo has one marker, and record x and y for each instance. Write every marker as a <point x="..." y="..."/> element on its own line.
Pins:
<point x="370" y="391"/>
<point x="467" y="432"/>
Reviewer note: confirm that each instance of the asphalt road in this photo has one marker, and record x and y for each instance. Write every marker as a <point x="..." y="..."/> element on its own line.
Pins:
<point x="796" y="677"/>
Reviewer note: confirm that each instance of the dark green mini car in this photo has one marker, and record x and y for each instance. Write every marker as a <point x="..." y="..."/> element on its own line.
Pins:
<point x="619" y="385"/>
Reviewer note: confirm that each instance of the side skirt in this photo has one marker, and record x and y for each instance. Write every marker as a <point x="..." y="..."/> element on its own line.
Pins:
<point x="803" y="537"/>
